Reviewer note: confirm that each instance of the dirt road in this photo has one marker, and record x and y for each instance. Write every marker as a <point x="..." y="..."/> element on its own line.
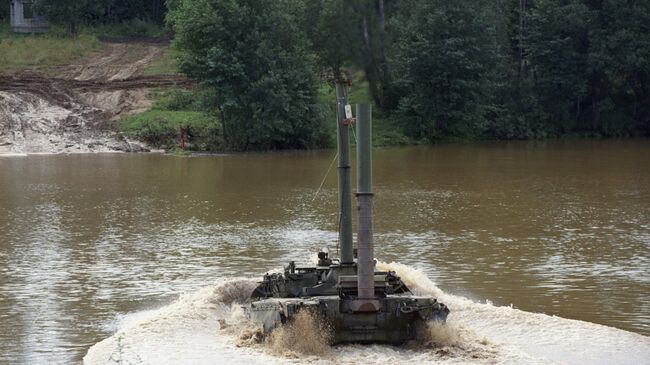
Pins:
<point x="77" y="109"/>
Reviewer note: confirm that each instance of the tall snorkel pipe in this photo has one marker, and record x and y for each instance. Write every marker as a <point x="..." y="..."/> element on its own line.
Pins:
<point x="365" y="262"/>
<point x="345" y="188"/>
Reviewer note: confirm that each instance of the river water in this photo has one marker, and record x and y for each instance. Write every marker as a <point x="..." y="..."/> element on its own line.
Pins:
<point x="90" y="243"/>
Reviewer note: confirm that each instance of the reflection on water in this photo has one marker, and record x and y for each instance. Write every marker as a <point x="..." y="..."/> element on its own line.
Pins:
<point x="561" y="228"/>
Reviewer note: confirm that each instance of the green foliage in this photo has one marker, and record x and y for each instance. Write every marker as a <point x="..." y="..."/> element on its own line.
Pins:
<point x="385" y="132"/>
<point x="127" y="17"/>
<point x="435" y="70"/>
<point x="180" y="100"/>
<point x="130" y="28"/>
<point x="511" y="69"/>
<point x="327" y="24"/>
<point x="619" y="60"/>
<point x="4" y="10"/>
<point x="558" y="47"/>
<point x="160" y="126"/>
<point x="352" y="33"/>
<point x="256" y="61"/>
<point x="120" y="11"/>
<point x="70" y="13"/>
<point x="442" y="66"/>
<point x="591" y="65"/>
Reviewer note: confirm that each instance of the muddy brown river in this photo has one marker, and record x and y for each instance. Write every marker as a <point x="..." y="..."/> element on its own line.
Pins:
<point x="561" y="228"/>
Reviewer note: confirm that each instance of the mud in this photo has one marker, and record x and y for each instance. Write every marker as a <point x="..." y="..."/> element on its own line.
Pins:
<point x="78" y="108"/>
<point x="306" y="334"/>
<point x="118" y="61"/>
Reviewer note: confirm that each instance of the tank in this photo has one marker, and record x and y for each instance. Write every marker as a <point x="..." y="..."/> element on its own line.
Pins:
<point x="359" y="304"/>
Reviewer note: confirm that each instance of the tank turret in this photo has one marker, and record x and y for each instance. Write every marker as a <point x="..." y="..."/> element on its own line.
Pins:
<point x="361" y="305"/>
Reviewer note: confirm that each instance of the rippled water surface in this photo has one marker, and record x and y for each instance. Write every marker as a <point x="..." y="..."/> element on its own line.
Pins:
<point x="561" y="228"/>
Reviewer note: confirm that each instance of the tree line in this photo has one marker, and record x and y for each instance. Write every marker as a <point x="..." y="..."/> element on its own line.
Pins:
<point x="470" y="69"/>
<point x="504" y="69"/>
<point x="498" y="69"/>
<point x="72" y="14"/>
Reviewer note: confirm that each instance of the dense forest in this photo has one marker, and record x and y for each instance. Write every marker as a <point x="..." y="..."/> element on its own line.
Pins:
<point x="510" y="69"/>
<point x="440" y="70"/>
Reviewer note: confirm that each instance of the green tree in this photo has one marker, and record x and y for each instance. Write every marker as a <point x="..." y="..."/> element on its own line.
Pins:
<point x="370" y="30"/>
<point x="443" y="63"/>
<point x="327" y="24"/>
<point x="79" y="12"/>
<point x="519" y="114"/>
<point x="255" y="58"/>
<point x="619" y="64"/>
<point x="353" y="33"/>
<point x="121" y="10"/>
<point x="559" y="45"/>
<point x="590" y="63"/>
<point x="4" y="10"/>
<point x="70" y="13"/>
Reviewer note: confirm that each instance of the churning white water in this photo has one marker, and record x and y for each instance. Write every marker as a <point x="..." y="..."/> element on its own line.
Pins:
<point x="208" y="327"/>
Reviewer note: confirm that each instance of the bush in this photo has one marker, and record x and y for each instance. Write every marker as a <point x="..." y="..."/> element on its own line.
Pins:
<point x="131" y="28"/>
<point x="4" y="11"/>
<point x="385" y="131"/>
<point x="173" y="109"/>
<point x="256" y="60"/>
<point x="161" y="128"/>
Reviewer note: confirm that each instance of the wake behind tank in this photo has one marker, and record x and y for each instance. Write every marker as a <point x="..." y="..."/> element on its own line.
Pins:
<point x="360" y="305"/>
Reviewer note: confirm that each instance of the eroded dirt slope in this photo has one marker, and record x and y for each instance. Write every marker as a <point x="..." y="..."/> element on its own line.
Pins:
<point x="77" y="109"/>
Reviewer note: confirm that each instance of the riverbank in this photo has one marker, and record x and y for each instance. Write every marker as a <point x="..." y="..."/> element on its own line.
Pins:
<point x="74" y="103"/>
<point x="42" y="53"/>
<point x="119" y="89"/>
<point x="174" y="109"/>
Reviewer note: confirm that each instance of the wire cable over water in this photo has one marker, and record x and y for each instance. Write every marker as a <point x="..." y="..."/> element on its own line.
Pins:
<point x="320" y="187"/>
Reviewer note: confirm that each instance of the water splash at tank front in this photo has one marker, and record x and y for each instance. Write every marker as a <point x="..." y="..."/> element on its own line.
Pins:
<point x="209" y="327"/>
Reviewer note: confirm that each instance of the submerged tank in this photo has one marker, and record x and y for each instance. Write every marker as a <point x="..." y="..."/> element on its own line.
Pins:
<point x="360" y="305"/>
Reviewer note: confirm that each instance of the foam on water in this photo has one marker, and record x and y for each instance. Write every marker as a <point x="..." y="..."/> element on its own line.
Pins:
<point x="208" y="327"/>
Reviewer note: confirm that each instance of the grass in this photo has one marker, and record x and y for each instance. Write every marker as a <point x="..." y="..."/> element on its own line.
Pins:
<point x="40" y="52"/>
<point x="165" y="65"/>
<point x="161" y="127"/>
<point x="173" y="109"/>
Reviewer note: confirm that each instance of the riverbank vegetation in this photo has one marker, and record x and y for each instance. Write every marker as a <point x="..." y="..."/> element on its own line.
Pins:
<point x="191" y="110"/>
<point x="498" y="70"/>
<point x="172" y="110"/>
<point x="439" y="70"/>
<point x="256" y="63"/>
<point x="435" y="70"/>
